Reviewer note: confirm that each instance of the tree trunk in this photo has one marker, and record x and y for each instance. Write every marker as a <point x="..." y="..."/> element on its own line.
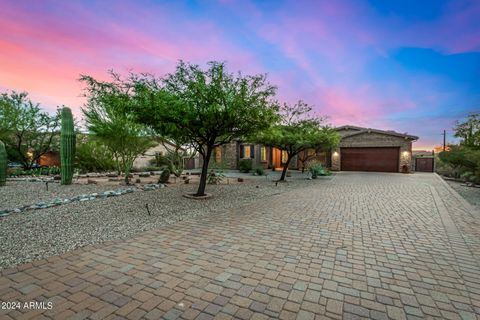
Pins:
<point x="285" y="167"/>
<point x="203" y="176"/>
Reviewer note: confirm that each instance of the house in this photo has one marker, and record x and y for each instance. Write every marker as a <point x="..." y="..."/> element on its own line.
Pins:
<point x="360" y="149"/>
<point x="228" y="156"/>
<point x="367" y="149"/>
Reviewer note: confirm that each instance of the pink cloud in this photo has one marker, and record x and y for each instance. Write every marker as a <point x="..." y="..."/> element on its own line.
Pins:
<point x="45" y="55"/>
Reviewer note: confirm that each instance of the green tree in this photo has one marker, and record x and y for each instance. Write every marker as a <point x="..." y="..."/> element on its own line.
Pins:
<point x="92" y="156"/>
<point x="28" y="132"/>
<point x="298" y="131"/>
<point x="107" y="119"/>
<point x="469" y="131"/>
<point x="205" y="108"/>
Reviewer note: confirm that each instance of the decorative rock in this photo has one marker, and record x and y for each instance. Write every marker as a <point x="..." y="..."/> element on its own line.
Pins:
<point x="83" y="198"/>
<point x="240" y="179"/>
<point x="138" y="181"/>
<point x="144" y="175"/>
<point x="57" y="177"/>
<point x="90" y="181"/>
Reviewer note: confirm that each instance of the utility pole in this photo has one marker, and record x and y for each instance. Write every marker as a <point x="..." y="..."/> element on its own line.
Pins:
<point x="444" y="139"/>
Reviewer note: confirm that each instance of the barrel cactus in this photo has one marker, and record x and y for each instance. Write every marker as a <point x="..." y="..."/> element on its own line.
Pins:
<point x="67" y="146"/>
<point x="3" y="164"/>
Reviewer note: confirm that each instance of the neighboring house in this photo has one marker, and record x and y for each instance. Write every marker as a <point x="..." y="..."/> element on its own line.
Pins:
<point x="366" y="149"/>
<point x="360" y="149"/>
<point x="49" y="159"/>
<point x="144" y="160"/>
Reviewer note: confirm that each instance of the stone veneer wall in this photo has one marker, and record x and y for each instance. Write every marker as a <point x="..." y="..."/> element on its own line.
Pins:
<point x="230" y="153"/>
<point x="374" y="139"/>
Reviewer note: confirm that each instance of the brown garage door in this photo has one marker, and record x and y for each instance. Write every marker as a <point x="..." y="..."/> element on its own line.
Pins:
<point x="370" y="159"/>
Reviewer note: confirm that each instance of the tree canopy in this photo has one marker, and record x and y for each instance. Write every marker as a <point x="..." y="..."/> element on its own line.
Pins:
<point x="27" y="131"/>
<point x="205" y="108"/>
<point x="469" y="131"/>
<point x="297" y="131"/>
<point x="107" y="118"/>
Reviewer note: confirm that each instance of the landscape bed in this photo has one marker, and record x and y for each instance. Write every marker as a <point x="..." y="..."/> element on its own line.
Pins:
<point x="38" y="234"/>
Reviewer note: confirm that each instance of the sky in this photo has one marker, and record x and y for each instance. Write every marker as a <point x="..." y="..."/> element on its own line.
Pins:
<point x="409" y="66"/>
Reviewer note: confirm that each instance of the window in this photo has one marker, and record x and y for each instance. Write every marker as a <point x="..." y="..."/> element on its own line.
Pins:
<point x="263" y="154"/>
<point x="284" y="156"/>
<point x="218" y="155"/>
<point x="246" y="151"/>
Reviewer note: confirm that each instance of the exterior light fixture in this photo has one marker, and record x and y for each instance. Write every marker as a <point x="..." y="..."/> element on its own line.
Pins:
<point x="335" y="154"/>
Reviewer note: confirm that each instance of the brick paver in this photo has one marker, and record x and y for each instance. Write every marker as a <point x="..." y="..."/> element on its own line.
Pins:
<point x="362" y="245"/>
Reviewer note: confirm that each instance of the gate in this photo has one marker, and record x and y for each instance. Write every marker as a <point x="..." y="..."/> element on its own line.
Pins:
<point x="424" y="164"/>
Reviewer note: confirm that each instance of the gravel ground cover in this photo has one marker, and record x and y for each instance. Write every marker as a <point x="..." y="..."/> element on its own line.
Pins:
<point x="19" y="193"/>
<point x="471" y="194"/>
<point x="42" y="233"/>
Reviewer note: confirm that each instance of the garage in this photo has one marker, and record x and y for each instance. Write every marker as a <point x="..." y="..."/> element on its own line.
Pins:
<point x="379" y="159"/>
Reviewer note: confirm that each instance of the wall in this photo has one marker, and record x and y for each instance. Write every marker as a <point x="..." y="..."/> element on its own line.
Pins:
<point x="143" y="160"/>
<point x="50" y="159"/>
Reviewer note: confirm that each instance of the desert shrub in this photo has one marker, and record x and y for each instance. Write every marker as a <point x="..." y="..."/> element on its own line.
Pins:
<point x="467" y="176"/>
<point x="164" y="176"/>
<point x="92" y="156"/>
<point x="316" y="169"/>
<point x="44" y="171"/>
<point x="153" y="168"/>
<point x="259" y="171"/>
<point x="460" y="162"/>
<point x="159" y="160"/>
<point x="215" y="176"/>
<point x="245" y="165"/>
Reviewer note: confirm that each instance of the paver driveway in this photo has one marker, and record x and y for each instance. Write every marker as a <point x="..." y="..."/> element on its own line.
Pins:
<point x="361" y="245"/>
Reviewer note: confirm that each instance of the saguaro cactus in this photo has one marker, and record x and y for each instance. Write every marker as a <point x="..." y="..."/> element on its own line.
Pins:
<point x="67" y="146"/>
<point x="3" y="164"/>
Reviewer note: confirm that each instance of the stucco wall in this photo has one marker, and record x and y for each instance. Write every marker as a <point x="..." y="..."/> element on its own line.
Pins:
<point x="374" y="139"/>
<point x="143" y="160"/>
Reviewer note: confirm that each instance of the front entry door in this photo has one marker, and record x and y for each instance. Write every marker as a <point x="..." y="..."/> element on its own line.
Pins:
<point x="276" y="158"/>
